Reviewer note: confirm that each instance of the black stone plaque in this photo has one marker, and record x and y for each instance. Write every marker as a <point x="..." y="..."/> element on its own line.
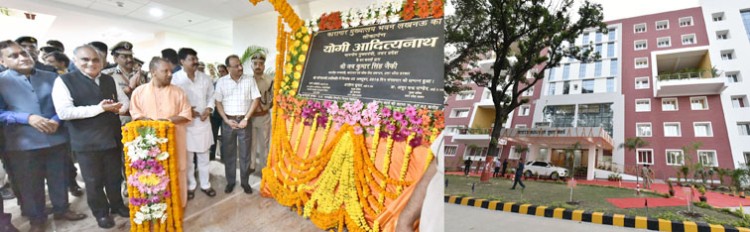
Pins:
<point x="397" y="64"/>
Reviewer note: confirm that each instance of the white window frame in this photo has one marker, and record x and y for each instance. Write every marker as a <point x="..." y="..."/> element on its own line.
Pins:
<point x="717" y="17"/>
<point x="722" y="35"/>
<point x="446" y="154"/>
<point x="676" y="104"/>
<point x="637" y="42"/>
<point x="742" y="100"/>
<point x="641" y="59"/>
<point x="736" y="75"/>
<point x="521" y="126"/>
<point x="651" y="129"/>
<point x="695" y="39"/>
<point x="521" y="111"/>
<point x="716" y="157"/>
<point x="668" y="39"/>
<point x="468" y="110"/>
<point x="638" y="155"/>
<point x="472" y="94"/>
<point x="636" y="26"/>
<point x="679" y="129"/>
<point x="705" y="100"/>
<point x="747" y="124"/>
<point x="683" y="19"/>
<point x="728" y="55"/>
<point x="656" y="25"/>
<point x="666" y="156"/>
<point x="710" y="129"/>
<point x="648" y="84"/>
<point x="643" y="99"/>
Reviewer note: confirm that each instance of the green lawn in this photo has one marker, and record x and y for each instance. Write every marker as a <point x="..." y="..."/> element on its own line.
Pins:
<point x="592" y="198"/>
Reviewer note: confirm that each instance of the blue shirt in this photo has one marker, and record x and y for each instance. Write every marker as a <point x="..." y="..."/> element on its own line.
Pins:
<point x="21" y="97"/>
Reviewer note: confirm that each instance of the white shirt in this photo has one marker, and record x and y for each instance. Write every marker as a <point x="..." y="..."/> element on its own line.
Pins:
<point x="200" y="90"/>
<point x="67" y="110"/>
<point x="433" y="208"/>
<point x="236" y="96"/>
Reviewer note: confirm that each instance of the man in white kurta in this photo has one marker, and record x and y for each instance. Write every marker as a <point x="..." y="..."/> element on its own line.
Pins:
<point x="261" y="118"/>
<point x="200" y="91"/>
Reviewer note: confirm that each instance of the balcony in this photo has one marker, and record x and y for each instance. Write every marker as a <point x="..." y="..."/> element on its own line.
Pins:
<point x="476" y="136"/>
<point x="692" y="83"/>
<point x="685" y="72"/>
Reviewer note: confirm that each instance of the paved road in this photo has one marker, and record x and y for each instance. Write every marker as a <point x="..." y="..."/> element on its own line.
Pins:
<point x="465" y="218"/>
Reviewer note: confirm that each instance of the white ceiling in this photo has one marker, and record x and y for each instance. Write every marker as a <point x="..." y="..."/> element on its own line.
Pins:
<point x="205" y="19"/>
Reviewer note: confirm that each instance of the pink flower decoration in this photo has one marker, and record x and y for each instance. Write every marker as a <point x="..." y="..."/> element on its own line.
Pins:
<point x="398" y="115"/>
<point x="358" y="130"/>
<point x="410" y="111"/>
<point x="385" y="112"/>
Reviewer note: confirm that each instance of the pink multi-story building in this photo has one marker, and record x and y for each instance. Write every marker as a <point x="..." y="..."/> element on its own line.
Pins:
<point x="655" y="80"/>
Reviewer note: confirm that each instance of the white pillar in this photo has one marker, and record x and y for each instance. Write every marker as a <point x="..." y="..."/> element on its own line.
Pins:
<point x="592" y="158"/>
<point x="533" y="152"/>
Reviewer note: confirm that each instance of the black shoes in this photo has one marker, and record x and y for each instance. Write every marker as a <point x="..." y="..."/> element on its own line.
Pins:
<point x="7" y="193"/>
<point x="75" y="190"/>
<point x="123" y="212"/>
<point x="210" y="192"/>
<point x="247" y="189"/>
<point x="229" y="189"/>
<point x="70" y="216"/>
<point x="105" y="222"/>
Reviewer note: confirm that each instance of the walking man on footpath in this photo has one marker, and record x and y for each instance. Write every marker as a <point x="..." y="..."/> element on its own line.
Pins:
<point x="237" y="97"/>
<point x="35" y="144"/>
<point x="91" y="103"/>
<point x="200" y="92"/>
<point x="497" y="168"/>
<point x="467" y="166"/>
<point x="519" y="175"/>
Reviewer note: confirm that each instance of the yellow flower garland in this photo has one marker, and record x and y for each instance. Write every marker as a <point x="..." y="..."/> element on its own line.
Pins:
<point x="405" y="163"/>
<point x="386" y="167"/>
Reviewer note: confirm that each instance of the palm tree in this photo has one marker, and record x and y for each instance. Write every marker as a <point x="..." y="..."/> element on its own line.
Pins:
<point x="632" y="144"/>
<point x="252" y="50"/>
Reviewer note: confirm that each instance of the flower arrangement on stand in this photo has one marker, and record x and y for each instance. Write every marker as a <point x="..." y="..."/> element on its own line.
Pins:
<point x="151" y="176"/>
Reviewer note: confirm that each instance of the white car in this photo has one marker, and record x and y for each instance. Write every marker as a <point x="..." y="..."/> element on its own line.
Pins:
<point x="543" y="168"/>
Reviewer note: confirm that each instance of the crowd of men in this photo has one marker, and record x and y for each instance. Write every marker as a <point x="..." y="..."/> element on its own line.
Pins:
<point x="55" y="110"/>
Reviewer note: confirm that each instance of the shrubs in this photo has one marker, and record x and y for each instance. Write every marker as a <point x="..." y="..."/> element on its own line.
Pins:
<point x="614" y="177"/>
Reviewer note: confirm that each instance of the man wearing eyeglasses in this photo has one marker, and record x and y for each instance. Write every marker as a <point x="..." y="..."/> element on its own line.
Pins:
<point x="34" y="140"/>
<point x="237" y="97"/>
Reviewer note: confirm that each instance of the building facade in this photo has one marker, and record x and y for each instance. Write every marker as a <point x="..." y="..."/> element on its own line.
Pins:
<point x="661" y="77"/>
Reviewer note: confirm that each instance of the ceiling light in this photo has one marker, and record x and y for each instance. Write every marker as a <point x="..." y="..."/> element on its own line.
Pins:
<point x="156" y="12"/>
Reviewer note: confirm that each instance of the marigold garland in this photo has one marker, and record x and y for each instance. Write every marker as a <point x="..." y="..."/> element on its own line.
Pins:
<point x="172" y="219"/>
<point x="297" y="178"/>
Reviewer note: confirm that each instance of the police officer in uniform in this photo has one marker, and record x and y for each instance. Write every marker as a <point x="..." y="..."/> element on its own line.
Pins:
<point x="126" y="76"/>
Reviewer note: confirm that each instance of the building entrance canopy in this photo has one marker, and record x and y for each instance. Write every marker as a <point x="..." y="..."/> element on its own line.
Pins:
<point x="560" y="136"/>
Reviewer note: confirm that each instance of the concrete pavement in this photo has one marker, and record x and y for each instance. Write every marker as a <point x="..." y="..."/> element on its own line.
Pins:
<point x="472" y="219"/>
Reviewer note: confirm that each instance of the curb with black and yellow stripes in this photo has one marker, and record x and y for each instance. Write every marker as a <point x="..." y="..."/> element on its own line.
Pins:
<point x="593" y="217"/>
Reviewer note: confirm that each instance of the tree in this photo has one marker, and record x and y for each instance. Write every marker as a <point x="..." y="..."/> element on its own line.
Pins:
<point x="534" y="33"/>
